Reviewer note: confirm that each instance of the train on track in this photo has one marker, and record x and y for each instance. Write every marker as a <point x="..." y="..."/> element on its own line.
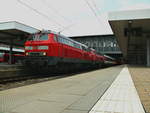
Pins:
<point x="16" y="58"/>
<point x="50" y="49"/>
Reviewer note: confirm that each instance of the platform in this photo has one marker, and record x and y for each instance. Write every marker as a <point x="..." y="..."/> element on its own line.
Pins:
<point x="121" y="97"/>
<point x="132" y="31"/>
<point x="72" y="94"/>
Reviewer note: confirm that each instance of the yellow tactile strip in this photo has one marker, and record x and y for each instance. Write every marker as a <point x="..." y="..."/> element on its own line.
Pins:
<point x="141" y="78"/>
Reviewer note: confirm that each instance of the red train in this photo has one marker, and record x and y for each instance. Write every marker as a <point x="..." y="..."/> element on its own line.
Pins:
<point x="16" y="58"/>
<point x="51" y="49"/>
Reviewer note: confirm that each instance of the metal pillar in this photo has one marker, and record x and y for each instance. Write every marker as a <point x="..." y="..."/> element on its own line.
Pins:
<point x="10" y="51"/>
<point x="148" y="52"/>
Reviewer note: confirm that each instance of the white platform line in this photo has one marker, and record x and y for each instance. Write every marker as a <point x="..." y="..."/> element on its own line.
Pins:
<point x="121" y="97"/>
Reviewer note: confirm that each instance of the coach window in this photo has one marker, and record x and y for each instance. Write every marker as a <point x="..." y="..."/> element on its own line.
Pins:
<point x="63" y="41"/>
<point x="71" y="43"/>
<point x="80" y="47"/>
<point x="74" y="45"/>
<point x="60" y="39"/>
<point x="68" y="42"/>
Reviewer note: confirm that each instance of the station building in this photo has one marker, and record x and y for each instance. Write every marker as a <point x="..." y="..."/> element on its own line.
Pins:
<point x="132" y="31"/>
<point x="13" y="36"/>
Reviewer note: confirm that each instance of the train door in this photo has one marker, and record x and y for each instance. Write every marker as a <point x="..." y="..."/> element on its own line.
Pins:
<point x="60" y="47"/>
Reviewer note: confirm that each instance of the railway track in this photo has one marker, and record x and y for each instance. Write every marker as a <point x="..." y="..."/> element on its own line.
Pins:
<point x="13" y="82"/>
<point x="13" y="79"/>
<point x="6" y="80"/>
<point x="7" y="83"/>
<point x="17" y="81"/>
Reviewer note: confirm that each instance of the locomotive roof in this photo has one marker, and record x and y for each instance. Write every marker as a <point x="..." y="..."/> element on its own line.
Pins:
<point x="53" y="32"/>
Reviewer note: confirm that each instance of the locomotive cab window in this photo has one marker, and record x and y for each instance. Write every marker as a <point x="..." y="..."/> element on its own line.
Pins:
<point x="43" y="37"/>
<point x="40" y="37"/>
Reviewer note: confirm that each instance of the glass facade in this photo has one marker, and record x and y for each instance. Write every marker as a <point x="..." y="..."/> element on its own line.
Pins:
<point x="102" y="44"/>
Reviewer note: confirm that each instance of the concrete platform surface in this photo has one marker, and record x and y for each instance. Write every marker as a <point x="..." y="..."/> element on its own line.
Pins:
<point x="74" y="94"/>
<point x="121" y="97"/>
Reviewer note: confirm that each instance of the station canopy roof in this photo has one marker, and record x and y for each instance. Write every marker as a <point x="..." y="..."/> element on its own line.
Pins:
<point x="119" y="22"/>
<point x="16" y="31"/>
<point x="15" y="50"/>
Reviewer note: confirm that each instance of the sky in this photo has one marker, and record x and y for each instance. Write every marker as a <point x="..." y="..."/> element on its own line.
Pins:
<point x="70" y="17"/>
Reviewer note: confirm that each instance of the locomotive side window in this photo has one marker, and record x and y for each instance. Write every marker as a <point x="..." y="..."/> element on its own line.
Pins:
<point x="55" y="37"/>
<point x="60" y="39"/>
<point x="65" y="41"/>
<point x="68" y="42"/>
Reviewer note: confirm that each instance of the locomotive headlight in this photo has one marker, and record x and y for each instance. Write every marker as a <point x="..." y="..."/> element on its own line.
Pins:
<point x="27" y="53"/>
<point x="44" y="53"/>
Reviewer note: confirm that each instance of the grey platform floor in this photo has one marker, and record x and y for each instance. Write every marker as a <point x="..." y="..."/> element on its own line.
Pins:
<point x="74" y="94"/>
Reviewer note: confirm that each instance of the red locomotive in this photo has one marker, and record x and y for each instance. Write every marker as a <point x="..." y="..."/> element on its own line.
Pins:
<point x="51" y="49"/>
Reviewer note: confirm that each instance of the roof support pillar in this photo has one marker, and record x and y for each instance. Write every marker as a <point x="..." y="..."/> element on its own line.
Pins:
<point x="129" y="37"/>
<point x="148" y="51"/>
<point x="10" y="52"/>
